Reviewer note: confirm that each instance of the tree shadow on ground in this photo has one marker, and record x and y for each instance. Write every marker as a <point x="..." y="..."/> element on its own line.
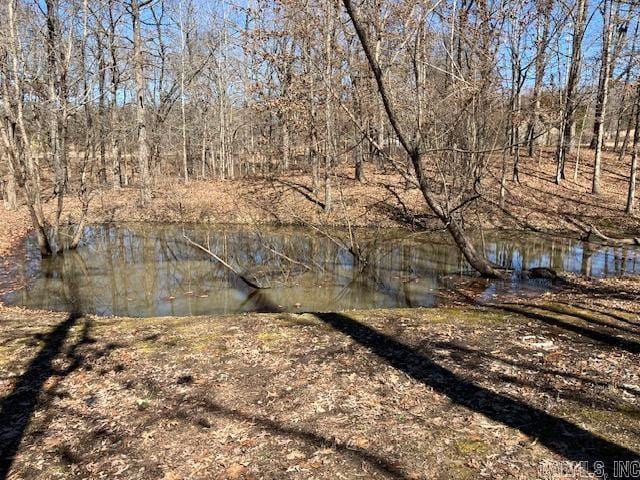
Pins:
<point x="17" y="408"/>
<point x="185" y="413"/>
<point x="600" y="335"/>
<point x="601" y="319"/>
<point x="602" y="291"/>
<point x="567" y="198"/>
<point x="303" y="190"/>
<point x="396" y="209"/>
<point x="558" y="435"/>
<point x="468" y="356"/>
<point x="581" y="389"/>
<point x="618" y="314"/>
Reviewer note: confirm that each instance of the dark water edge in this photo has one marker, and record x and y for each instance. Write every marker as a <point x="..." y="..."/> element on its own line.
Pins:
<point x="144" y="270"/>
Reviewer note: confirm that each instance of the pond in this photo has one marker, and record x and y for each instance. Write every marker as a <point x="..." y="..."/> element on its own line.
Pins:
<point x="144" y="270"/>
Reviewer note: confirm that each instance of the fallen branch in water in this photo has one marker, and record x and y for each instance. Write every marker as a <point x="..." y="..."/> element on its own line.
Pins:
<point x="280" y="254"/>
<point x="355" y="250"/>
<point x="225" y="264"/>
<point x="591" y="231"/>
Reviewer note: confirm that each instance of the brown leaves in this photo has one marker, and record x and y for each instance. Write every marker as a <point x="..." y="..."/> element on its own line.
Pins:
<point x="295" y="455"/>
<point x="317" y="405"/>
<point x="236" y="471"/>
<point x="359" y="442"/>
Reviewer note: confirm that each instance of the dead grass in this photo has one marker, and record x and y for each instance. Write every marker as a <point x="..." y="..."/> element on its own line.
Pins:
<point x="298" y="396"/>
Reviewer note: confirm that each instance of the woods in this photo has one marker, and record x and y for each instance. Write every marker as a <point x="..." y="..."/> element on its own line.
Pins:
<point x="319" y="239"/>
<point x="133" y="93"/>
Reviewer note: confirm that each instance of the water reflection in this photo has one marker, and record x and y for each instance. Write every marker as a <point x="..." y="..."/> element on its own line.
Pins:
<point x="149" y="270"/>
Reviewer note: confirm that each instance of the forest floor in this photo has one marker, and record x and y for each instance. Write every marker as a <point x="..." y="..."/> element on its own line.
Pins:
<point x="463" y="391"/>
<point x="383" y="200"/>
<point x="512" y="391"/>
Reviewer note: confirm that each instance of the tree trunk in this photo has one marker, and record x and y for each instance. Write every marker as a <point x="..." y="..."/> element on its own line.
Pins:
<point x="140" y="84"/>
<point x="183" y="114"/>
<point x="514" y="117"/>
<point x="203" y="155"/>
<point x="631" y="194"/>
<point x="544" y="16"/>
<point x="625" y="87"/>
<point x="54" y="116"/>
<point x="565" y="141"/>
<point x="477" y="261"/>
<point x="359" y="154"/>
<point x="9" y="193"/>
<point x="603" y="94"/>
<point x="116" y="155"/>
<point x="330" y="149"/>
<point x="102" y="67"/>
<point x="286" y="139"/>
<point x="14" y="132"/>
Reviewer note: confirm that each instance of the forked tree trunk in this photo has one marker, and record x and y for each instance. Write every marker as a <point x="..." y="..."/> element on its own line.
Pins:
<point x="41" y="235"/>
<point x="477" y="261"/>
<point x="14" y="134"/>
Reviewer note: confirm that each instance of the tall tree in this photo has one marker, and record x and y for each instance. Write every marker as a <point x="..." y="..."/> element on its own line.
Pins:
<point x="631" y="193"/>
<point x="411" y="140"/>
<point x="603" y="91"/>
<point x="544" y="9"/>
<point x="567" y="125"/>
<point x="15" y="135"/>
<point x="135" y="7"/>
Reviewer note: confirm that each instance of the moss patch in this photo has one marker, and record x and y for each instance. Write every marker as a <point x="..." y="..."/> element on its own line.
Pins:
<point x="469" y="447"/>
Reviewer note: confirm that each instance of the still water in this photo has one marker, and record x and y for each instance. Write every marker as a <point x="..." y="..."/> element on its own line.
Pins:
<point x="146" y="270"/>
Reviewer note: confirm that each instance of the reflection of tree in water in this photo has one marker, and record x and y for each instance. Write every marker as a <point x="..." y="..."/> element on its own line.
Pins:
<point x="151" y="270"/>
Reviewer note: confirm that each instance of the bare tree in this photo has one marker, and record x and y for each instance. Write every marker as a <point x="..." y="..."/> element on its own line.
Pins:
<point x="567" y="126"/>
<point x="631" y="194"/>
<point x="411" y="142"/>
<point x="15" y="136"/>
<point x="126" y="92"/>
<point x="135" y="7"/>
<point x="36" y="108"/>
<point x="603" y="91"/>
<point x="544" y="9"/>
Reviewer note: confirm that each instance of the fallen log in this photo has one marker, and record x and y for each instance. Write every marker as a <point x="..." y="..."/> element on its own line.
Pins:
<point x="591" y="232"/>
<point x="594" y="232"/>
<point x="545" y="273"/>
